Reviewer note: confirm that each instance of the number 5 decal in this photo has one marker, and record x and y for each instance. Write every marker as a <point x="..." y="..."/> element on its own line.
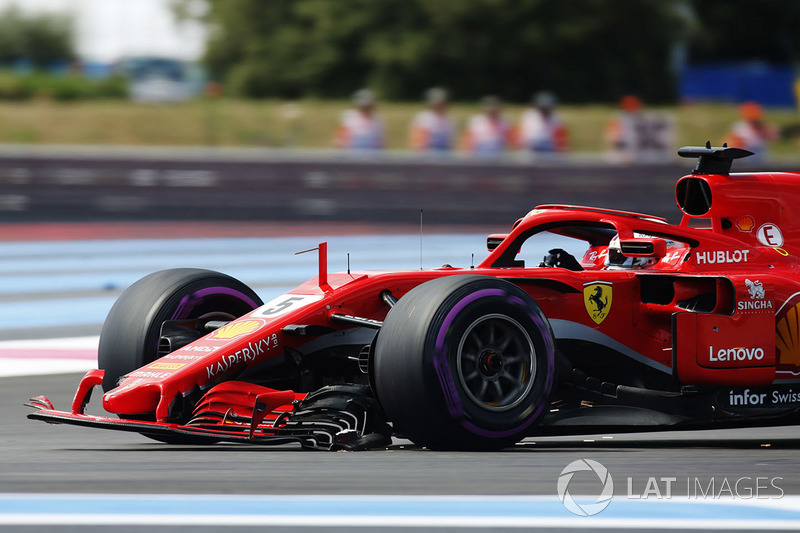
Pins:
<point x="285" y="303"/>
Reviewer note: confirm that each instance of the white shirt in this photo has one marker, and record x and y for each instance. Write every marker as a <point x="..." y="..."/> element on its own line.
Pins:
<point x="439" y="128"/>
<point x="537" y="132"/>
<point x="488" y="137"/>
<point x="362" y="131"/>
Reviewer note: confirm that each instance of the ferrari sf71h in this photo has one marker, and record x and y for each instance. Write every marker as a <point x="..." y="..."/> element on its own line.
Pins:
<point x="631" y="324"/>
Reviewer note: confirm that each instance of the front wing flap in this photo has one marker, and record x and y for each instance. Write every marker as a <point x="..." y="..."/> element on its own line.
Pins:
<point x="342" y="417"/>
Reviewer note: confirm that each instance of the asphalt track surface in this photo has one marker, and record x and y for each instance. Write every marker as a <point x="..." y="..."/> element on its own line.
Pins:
<point x="37" y="458"/>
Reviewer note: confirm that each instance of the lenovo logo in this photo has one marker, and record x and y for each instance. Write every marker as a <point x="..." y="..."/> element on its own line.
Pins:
<point x="735" y="354"/>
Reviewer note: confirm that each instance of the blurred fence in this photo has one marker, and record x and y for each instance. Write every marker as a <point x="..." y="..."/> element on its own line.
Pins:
<point x="100" y="183"/>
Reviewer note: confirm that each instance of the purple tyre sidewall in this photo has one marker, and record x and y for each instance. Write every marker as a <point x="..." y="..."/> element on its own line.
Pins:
<point x="130" y="335"/>
<point x="446" y="337"/>
<point x="190" y="301"/>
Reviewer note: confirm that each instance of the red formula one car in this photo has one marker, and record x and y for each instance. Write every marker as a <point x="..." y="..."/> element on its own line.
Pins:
<point x="644" y="325"/>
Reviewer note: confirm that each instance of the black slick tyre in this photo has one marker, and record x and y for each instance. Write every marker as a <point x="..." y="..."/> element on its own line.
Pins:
<point x="465" y="362"/>
<point x="131" y="331"/>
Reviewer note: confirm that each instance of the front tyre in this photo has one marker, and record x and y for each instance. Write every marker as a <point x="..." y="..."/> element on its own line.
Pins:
<point x="130" y="334"/>
<point x="465" y="362"/>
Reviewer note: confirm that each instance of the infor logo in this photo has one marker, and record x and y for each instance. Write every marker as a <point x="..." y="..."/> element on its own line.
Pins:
<point x="594" y="505"/>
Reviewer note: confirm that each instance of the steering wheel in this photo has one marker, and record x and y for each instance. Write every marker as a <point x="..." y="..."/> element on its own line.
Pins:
<point x="558" y="258"/>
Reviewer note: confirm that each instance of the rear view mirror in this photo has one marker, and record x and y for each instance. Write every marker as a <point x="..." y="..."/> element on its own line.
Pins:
<point x="494" y="240"/>
<point x="643" y="247"/>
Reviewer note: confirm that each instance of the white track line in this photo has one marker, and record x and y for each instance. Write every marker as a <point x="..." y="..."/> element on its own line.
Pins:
<point x="47" y="356"/>
<point x="452" y="511"/>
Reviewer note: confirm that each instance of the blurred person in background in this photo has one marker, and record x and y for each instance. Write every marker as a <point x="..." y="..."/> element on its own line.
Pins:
<point x="751" y="132"/>
<point x="540" y="129"/>
<point x="622" y="132"/>
<point x="432" y="130"/>
<point x="360" y="128"/>
<point x="488" y="134"/>
<point x="638" y="136"/>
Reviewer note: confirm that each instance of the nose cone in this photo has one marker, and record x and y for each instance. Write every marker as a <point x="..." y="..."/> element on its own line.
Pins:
<point x="138" y="399"/>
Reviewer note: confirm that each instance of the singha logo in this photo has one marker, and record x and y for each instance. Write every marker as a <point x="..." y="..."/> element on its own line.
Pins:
<point x="755" y="289"/>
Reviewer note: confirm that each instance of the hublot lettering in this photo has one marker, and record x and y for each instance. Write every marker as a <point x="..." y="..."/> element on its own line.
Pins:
<point x="719" y="257"/>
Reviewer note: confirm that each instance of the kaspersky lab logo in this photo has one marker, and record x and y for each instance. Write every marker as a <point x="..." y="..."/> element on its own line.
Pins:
<point x="590" y="505"/>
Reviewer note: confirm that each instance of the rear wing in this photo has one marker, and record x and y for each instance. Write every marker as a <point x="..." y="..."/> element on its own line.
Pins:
<point x="713" y="160"/>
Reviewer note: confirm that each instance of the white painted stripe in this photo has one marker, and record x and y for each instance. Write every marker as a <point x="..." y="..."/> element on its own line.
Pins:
<point x="48" y="356"/>
<point x="42" y="367"/>
<point x="486" y="511"/>
<point x="328" y="521"/>
<point x="67" y="343"/>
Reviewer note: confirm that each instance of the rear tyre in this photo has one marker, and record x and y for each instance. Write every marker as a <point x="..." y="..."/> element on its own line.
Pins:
<point x="465" y="362"/>
<point x="130" y="334"/>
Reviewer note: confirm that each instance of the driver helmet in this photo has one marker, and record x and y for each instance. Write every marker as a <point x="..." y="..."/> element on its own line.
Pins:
<point x="615" y="259"/>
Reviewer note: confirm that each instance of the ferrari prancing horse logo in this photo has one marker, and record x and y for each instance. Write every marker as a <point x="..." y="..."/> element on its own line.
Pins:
<point x="597" y="297"/>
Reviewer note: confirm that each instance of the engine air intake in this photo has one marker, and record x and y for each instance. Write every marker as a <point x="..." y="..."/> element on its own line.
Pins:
<point x="694" y="196"/>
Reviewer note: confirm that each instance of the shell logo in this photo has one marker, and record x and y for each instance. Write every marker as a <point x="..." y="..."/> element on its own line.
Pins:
<point x="745" y="223"/>
<point x="786" y="339"/>
<point x="234" y="329"/>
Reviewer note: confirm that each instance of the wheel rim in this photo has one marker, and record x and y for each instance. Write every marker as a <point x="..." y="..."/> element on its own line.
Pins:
<point x="496" y="362"/>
